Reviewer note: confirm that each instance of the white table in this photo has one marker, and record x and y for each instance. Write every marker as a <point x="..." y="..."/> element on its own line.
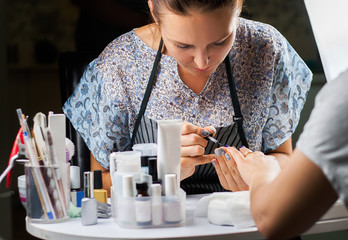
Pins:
<point x="194" y="228"/>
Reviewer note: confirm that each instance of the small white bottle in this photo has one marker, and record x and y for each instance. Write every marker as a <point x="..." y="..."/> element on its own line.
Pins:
<point x="89" y="214"/>
<point x="125" y="202"/>
<point x="142" y="205"/>
<point x="172" y="205"/>
<point x="156" y="204"/>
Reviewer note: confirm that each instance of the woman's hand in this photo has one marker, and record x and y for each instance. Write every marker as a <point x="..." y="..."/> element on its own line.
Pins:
<point x="227" y="171"/>
<point x="193" y="146"/>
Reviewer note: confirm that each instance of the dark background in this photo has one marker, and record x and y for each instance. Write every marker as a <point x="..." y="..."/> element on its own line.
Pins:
<point x="34" y="32"/>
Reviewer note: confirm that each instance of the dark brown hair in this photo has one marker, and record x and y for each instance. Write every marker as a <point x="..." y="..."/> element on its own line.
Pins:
<point x="183" y="7"/>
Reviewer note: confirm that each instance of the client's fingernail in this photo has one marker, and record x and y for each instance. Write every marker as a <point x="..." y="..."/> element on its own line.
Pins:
<point x="228" y="157"/>
<point x="242" y="147"/>
<point x="205" y="133"/>
<point x="226" y="146"/>
<point x="218" y="152"/>
<point x="213" y="162"/>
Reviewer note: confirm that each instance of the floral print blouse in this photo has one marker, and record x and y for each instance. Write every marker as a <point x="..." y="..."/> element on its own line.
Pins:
<point x="271" y="80"/>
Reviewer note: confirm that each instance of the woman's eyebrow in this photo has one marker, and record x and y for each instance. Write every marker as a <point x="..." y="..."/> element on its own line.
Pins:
<point x="186" y="44"/>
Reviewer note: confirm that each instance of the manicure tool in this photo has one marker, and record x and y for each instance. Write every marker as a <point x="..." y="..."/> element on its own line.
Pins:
<point x="18" y="152"/>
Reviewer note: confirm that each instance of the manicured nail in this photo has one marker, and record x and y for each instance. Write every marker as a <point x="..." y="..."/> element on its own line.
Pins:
<point x="213" y="129"/>
<point x="228" y="157"/>
<point x="213" y="162"/>
<point x="205" y="133"/>
<point x="226" y="146"/>
<point x="242" y="147"/>
<point x="219" y="151"/>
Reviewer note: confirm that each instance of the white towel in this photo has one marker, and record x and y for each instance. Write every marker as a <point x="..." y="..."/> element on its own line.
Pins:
<point x="226" y="208"/>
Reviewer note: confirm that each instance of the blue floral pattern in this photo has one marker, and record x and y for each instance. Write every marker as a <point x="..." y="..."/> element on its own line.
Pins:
<point x="271" y="79"/>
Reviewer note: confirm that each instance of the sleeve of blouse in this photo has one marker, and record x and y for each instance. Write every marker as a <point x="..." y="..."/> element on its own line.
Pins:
<point x="292" y="80"/>
<point x="100" y="119"/>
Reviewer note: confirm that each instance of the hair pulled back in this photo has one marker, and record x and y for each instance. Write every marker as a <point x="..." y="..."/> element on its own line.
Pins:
<point x="183" y="7"/>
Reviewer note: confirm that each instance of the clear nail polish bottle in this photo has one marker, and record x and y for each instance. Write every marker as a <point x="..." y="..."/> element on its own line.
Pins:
<point x="89" y="215"/>
<point x="172" y="206"/>
<point x="142" y="205"/>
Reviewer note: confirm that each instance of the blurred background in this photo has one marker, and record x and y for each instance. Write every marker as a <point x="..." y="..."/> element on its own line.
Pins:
<point x="34" y="32"/>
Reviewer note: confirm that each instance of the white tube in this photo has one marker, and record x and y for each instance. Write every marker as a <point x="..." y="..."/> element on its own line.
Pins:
<point x="169" y="148"/>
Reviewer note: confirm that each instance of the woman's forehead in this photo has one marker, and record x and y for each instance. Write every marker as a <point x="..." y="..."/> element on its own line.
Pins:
<point x="208" y="27"/>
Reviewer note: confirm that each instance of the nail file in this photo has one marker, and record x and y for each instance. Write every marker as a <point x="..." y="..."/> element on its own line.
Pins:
<point x="56" y="125"/>
<point x="40" y="125"/>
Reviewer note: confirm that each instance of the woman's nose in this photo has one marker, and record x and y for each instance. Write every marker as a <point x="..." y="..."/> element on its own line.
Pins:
<point x="201" y="59"/>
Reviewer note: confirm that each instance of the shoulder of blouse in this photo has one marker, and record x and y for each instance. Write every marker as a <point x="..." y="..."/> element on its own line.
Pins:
<point x="121" y="50"/>
<point x="254" y="33"/>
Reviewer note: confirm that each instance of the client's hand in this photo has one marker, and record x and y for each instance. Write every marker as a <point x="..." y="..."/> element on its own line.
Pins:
<point x="192" y="148"/>
<point x="227" y="171"/>
<point x="255" y="163"/>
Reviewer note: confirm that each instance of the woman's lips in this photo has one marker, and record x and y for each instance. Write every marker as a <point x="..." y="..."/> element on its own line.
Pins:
<point x="202" y="70"/>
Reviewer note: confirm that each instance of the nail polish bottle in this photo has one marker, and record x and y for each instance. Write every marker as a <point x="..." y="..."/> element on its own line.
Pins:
<point x="125" y="203"/>
<point x="152" y="161"/>
<point x="148" y="179"/>
<point x="147" y="150"/>
<point x="99" y="193"/>
<point x="156" y="204"/>
<point x="89" y="215"/>
<point x="76" y="194"/>
<point x="142" y="205"/>
<point x="172" y="206"/>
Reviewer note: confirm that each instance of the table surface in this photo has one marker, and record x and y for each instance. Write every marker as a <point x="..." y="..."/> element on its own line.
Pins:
<point x="194" y="228"/>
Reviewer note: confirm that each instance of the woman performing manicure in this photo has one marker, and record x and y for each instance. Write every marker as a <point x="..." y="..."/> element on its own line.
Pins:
<point x="236" y="80"/>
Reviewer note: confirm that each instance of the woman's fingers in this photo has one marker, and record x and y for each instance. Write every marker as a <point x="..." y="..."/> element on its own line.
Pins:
<point x="193" y="142"/>
<point x="188" y="164"/>
<point x="188" y="128"/>
<point x="193" y="139"/>
<point x="208" y="131"/>
<point x="192" y="151"/>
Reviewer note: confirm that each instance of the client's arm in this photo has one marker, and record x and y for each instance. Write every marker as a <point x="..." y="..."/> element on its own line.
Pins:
<point x="286" y="203"/>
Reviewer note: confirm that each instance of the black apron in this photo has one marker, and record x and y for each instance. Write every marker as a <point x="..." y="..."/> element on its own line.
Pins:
<point x="204" y="179"/>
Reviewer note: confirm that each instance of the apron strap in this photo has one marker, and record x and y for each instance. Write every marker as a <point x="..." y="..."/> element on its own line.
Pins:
<point x="147" y="93"/>
<point x="238" y="117"/>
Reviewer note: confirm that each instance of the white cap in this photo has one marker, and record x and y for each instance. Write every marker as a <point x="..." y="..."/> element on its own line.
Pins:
<point x="127" y="186"/>
<point x="128" y="162"/>
<point x="75" y="177"/>
<point x="156" y="189"/>
<point x="170" y="185"/>
<point x="146" y="149"/>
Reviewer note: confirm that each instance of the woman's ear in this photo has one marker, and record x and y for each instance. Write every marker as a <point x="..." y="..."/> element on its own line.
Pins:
<point x="150" y="4"/>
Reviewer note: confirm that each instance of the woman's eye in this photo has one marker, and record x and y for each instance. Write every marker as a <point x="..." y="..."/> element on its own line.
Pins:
<point x="182" y="46"/>
<point x="220" y="43"/>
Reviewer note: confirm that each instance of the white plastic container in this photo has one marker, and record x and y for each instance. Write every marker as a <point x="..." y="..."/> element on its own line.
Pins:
<point x="159" y="211"/>
<point x="178" y="202"/>
<point x="127" y="163"/>
<point x="22" y="190"/>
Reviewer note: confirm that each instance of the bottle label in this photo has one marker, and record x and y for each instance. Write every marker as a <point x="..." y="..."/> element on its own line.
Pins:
<point x="143" y="211"/>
